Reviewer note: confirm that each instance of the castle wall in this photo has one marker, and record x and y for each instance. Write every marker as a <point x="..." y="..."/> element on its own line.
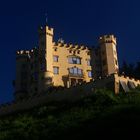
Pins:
<point x="112" y="82"/>
<point x="64" y="52"/>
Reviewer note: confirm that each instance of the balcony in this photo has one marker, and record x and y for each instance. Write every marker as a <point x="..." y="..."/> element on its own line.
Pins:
<point x="72" y="75"/>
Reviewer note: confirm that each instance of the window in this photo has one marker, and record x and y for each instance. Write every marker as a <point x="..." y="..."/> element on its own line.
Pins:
<point x="70" y="60"/>
<point x="56" y="70"/>
<point x="74" y="60"/>
<point x="55" y="58"/>
<point x="75" y="71"/>
<point x="89" y="74"/>
<point x="80" y="71"/>
<point x="88" y="62"/>
<point x="71" y="70"/>
<point x="78" y="61"/>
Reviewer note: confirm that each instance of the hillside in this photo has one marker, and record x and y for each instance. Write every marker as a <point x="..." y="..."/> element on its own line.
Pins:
<point x="102" y="115"/>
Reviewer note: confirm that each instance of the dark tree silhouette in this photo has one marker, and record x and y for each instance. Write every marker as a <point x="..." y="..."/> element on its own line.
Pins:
<point x="130" y="70"/>
<point x="137" y="71"/>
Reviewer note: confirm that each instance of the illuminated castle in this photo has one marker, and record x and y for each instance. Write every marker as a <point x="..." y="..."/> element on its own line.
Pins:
<point x="60" y="64"/>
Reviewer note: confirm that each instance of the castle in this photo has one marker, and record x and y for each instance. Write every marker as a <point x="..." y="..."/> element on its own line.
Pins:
<point x="55" y="64"/>
<point x="60" y="64"/>
<point x="80" y="70"/>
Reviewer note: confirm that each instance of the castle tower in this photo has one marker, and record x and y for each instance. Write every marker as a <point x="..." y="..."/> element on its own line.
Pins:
<point x="22" y="74"/>
<point x="45" y="57"/>
<point x="108" y="54"/>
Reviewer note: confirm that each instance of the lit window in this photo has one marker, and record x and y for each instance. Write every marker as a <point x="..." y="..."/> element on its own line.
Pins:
<point x="78" y="61"/>
<point x="89" y="74"/>
<point x="56" y="70"/>
<point x="70" y="60"/>
<point x="75" y="71"/>
<point x="80" y="71"/>
<point x="74" y="60"/>
<point x="55" y="58"/>
<point x="71" y="70"/>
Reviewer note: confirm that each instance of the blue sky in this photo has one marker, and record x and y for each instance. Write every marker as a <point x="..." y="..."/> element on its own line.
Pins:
<point x="76" y="21"/>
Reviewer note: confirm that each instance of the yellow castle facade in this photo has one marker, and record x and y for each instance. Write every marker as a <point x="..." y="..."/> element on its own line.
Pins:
<point x="59" y="64"/>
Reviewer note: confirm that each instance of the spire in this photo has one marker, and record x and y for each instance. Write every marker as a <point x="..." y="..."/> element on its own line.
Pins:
<point x="46" y="18"/>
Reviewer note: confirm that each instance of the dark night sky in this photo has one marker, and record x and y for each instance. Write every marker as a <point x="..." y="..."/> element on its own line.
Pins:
<point x="76" y="21"/>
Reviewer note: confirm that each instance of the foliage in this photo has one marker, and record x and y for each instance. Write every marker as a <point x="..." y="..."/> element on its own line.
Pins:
<point x="56" y="119"/>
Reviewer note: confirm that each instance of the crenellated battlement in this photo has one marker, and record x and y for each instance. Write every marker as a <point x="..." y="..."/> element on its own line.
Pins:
<point x="70" y="46"/>
<point x="108" y="39"/>
<point x="130" y="79"/>
<point x="46" y="30"/>
<point x="22" y="52"/>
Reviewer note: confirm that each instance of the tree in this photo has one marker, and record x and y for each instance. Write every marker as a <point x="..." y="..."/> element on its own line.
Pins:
<point x="137" y="71"/>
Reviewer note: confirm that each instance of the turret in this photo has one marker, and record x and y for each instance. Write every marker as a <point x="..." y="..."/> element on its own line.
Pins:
<point x="46" y="57"/>
<point x="22" y="74"/>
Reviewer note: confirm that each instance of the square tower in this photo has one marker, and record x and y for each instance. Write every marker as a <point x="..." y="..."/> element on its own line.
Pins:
<point x="108" y="54"/>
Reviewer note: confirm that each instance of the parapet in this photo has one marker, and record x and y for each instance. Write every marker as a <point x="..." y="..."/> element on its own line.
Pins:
<point x="107" y="39"/>
<point x="22" y="52"/>
<point x="46" y="29"/>
<point x="71" y="46"/>
<point x="49" y="30"/>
